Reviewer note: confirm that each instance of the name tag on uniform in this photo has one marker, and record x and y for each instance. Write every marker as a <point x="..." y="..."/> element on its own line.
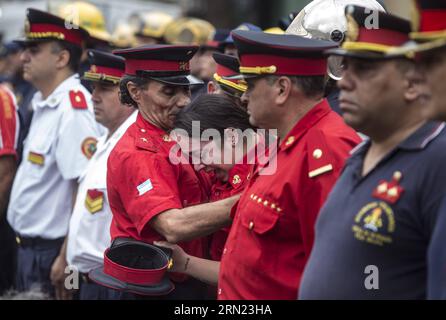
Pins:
<point x="36" y="158"/>
<point x="94" y="200"/>
<point x="145" y="187"/>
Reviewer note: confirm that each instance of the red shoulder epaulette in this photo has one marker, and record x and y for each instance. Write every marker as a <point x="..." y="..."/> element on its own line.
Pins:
<point x="78" y="100"/>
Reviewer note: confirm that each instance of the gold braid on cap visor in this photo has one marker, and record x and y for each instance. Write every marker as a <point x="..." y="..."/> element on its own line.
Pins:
<point x="241" y="86"/>
<point x="101" y="77"/>
<point x="366" y="46"/>
<point x="259" y="70"/>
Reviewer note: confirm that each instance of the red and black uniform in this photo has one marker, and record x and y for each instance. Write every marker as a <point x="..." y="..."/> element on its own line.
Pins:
<point x="142" y="182"/>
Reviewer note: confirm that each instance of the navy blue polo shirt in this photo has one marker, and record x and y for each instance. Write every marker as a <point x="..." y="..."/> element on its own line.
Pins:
<point x="437" y="258"/>
<point x="373" y="232"/>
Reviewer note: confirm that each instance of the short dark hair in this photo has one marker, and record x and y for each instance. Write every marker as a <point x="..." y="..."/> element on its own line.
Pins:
<point x="124" y="94"/>
<point x="214" y="111"/>
<point x="74" y="51"/>
<point x="311" y="86"/>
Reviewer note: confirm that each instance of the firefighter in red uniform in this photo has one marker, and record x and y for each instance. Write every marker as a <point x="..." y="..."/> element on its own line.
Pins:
<point x="150" y="195"/>
<point x="273" y="228"/>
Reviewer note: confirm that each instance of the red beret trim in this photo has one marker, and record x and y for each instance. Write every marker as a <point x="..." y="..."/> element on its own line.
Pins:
<point x="222" y="71"/>
<point x="107" y="71"/>
<point x="69" y="35"/>
<point x="382" y="36"/>
<point x="133" y="65"/>
<point x="433" y="20"/>
<point x="286" y="65"/>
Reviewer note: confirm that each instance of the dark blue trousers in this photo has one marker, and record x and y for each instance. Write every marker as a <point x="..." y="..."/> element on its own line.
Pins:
<point x="92" y="291"/>
<point x="34" y="266"/>
<point x="8" y="250"/>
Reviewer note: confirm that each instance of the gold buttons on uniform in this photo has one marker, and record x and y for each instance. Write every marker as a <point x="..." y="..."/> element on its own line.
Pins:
<point x="17" y="239"/>
<point x="265" y="203"/>
<point x="259" y="200"/>
<point x="290" y="140"/>
<point x="317" y="154"/>
<point x="397" y="175"/>
<point x="143" y="130"/>
<point x="78" y="99"/>
<point x="166" y="138"/>
<point x="251" y="225"/>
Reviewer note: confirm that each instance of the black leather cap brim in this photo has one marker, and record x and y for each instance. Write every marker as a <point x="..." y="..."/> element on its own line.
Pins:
<point x="163" y="288"/>
<point x="188" y="80"/>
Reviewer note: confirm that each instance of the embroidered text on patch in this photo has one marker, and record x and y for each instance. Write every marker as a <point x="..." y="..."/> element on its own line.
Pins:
<point x="144" y="187"/>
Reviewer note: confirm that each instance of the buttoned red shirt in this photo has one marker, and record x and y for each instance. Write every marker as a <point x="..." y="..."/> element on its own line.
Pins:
<point x="143" y="182"/>
<point x="237" y="181"/>
<point x="273" y="229"/>
<point x="9" y="123"/>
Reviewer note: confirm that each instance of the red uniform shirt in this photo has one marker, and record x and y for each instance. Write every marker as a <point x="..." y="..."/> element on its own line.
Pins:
<point x="237" y="181"/>
<point x="9" y="123"/>
<point x="142" y="182"/>
<point x="273" y="228"/>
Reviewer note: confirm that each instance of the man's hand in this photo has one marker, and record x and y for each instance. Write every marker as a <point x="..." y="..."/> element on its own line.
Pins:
<point x="179" y="257"/>
<point x="58" y="276"/>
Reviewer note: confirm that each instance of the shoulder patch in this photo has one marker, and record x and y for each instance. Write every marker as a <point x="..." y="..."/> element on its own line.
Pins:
<point x="146" y="143"/>
<point x="78" y="100"/>
<point x="320" y="158"/>
<point x="89" y="147"/>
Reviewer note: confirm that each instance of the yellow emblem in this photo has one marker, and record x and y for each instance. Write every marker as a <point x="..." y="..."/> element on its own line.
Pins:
<point x="184" y="65"/>
<point x="36" y="158"/>
<point x="236" y="179"/>
<point x="374" y="224"/>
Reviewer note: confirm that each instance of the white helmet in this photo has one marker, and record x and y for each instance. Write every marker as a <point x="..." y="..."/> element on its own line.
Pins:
<point x="325" y="20"/>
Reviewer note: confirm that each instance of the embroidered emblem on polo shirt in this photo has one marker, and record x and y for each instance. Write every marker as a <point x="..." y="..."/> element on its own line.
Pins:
<point x="94" y="201"/>
<point x="145" y="187"/>
<point x="374" y="224"/>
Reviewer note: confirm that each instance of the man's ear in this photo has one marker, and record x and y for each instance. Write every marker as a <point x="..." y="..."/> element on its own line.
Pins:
<point x="416" y="86"/>
<point x="134" y="91"/>
<point x="63" y="59"/>
<point x="211" y="87"/>
<point x="283" y="88"/>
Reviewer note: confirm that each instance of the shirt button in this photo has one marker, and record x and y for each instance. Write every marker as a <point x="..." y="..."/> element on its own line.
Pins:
<point x="143" y="130"/>
<point x="251" y="225"/>
<point x="219" y="291"/>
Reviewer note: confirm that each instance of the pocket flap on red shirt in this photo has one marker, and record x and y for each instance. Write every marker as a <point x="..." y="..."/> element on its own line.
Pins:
<point x="260" y="219"/>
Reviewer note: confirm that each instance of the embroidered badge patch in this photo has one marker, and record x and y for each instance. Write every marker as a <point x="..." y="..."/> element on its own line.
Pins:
<point x="78" y="100"/>
<point x="89" y="147"/>
<point x="375" y="224"/>
<point x="94" y="201"/>
<point x="36" y="158"/>
<point x="389" y="191"/>
<point x="145" y="187"/>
